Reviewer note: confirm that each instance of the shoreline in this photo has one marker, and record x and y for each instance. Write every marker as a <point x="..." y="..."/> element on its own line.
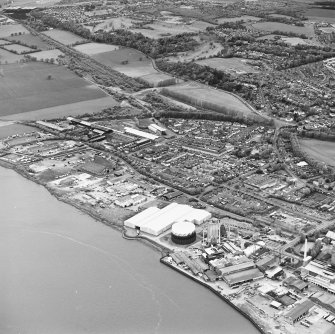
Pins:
<point x="144" y="240"/>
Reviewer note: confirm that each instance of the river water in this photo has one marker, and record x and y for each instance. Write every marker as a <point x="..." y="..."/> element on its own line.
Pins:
<point x="62" y="272"/>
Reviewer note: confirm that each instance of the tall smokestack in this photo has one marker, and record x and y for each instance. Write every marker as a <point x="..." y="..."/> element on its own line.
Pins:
<point x="305" y="251"/>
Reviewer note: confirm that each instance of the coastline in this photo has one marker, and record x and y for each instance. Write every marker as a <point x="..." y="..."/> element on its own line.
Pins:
<point x="146" y="241"/>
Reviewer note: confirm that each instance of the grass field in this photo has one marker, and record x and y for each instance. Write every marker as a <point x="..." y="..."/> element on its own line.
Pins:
<point x="11" y="29"/>
<point x="95" y="48"/>
<point x="3" y="42"/>
<point x="320" y="150"/>
<point x="7" y="57"/>
<point x="18" y="48"/>
<point x="12" y="129"/>
<point x="158" y="79"/>
<point x="161" y="29"/>
<point x="72" y="109"/>
<point x="236" y="65"/>
<point x="30" y="40"/>
<point x="273" y="26"/>
<point x="245" y="18"/>
<point x="64" y="37"/>
<point x="199" y="95"/>
<point x="26" y="87"/>
<point x="137" y="64"/>
<point x="47" y="54"/>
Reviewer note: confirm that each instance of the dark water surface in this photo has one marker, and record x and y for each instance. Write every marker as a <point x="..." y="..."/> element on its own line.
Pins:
<point x="63" y="272"/>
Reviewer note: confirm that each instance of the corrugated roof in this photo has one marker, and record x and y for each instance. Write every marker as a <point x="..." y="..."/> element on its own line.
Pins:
<point x="300" y="310"/>
<point x="243" y="276"/>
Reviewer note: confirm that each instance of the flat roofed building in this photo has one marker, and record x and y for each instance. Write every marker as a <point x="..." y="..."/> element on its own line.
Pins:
<point x="157" y="221"/>
<point x="299" y="310"/>
<point x="139" y="133"/>
<point x="135" y="221"/>
<point x="320" y="275"/>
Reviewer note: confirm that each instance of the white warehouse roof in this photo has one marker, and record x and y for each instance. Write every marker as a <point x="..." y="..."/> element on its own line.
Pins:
<point x="155" y="221"/>
<point x="140" y="217"/>
<point x="196" y="216"/>
<point x="140" y="133"/>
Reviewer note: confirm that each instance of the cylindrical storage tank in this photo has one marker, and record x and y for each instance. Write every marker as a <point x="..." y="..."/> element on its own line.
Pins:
<point x="183" y="233"/>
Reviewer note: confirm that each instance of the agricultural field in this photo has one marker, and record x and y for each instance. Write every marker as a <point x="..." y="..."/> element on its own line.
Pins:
<point x="320" y="150"/>
<point x="12" y="29"/>
<point x="42" y="55"/>
<point x="127" y="61"/>
<point x="64" y="37"/>
<point x="7" y="57"/>
<point x="13" y="129"/>
<point x="71" y="109"/>
<point x="95" y="48"/>
<point x="36" y="85"/>
<point x="3" y="42"/>
<point x="244" y="18"/>
<point x="204" y="96"/>
<point x="295" y="41"/>
<point x="274" y="26"/>
<point x="159" y="79"/>
<point x="235" y="65"/>
<point x="17" y="48"/>
<point x="31" y="40"/>
<point x="164" y="29"/>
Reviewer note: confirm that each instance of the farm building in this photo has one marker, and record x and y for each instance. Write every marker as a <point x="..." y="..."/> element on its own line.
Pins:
<point x="156" y="221"/>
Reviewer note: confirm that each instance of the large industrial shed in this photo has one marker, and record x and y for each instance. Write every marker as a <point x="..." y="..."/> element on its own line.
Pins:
<point x="156" y="221"/>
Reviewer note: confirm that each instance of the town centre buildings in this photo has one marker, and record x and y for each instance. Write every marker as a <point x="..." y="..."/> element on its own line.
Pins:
<point x="156" y="221"/>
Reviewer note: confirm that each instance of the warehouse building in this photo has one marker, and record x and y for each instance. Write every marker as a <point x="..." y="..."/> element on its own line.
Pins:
<point x="241" y="277"/>
<point x="156" y="221"/>
<point x="139" y="133"/>
<point x="299" y="311"/>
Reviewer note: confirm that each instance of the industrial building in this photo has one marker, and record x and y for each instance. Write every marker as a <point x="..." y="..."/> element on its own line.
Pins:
<point x="319" y="274"/>
<point x="300" y="310"/>
<point x="139" y="133"/>
<point x="157" y="129"/>
<point x="156" y="221"/>
<point x="241" y="277"/>
<point x="183" y="233"/>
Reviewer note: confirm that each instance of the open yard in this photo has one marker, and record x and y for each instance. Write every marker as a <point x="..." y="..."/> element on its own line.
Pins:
<point x="7" y="57"/>
<point x="206" y="97"/>
<point x="31" y="40"/>
<point x="20" y="49"/>
<point x="33" y="86"/>
<point x="274" y="26"/>
<point x="12" y="29"/>
<point x="72" y="109"/>
<point x="128" y="61"/>
<point x="95" y="48"/>
<point x="236" y="65"/>
<point x="320" y="150"/>
<point x="64" y="37"/>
